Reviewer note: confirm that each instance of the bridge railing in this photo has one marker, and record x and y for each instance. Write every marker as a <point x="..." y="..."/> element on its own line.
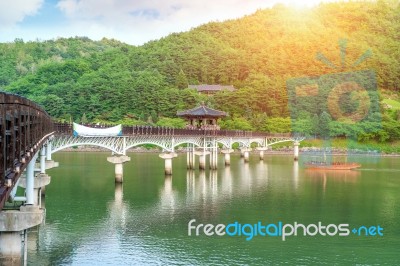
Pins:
<point x="66" y="129"/>
<point x="23" y="124"/>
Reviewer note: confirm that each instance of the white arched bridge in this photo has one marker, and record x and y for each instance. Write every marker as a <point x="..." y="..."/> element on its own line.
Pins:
<point x="166" y="138"/>
<point x="197" y="142"/>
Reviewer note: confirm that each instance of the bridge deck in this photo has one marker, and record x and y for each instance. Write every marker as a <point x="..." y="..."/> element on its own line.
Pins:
<point x="23" y="124"/>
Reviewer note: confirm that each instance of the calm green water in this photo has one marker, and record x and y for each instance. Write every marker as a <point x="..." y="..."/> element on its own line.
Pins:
<point x="90" y="221"/>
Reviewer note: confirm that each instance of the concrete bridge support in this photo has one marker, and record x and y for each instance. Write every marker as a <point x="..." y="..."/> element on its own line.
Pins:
<point x="168" y="162"/>
<point x="227" y="156"/>
<point x="13" y="232"/>
<point x="43" y="161"/>
<point x="119" y="161"/>
<point x="43" y="166"/>
<point x="48" y="151"/>
<point x="30" y="181"/>
<point x="262" y="150"/>
<point x="296" y="145"/>
<point x="202" y="158"/>
<point x="14" y="223"/>
<point x="40" y="181"/>
<point x="190" y="157"/>
<point x="245" y="152"/>
<point x="214" y="158"/>
<point x="49" y="161"/>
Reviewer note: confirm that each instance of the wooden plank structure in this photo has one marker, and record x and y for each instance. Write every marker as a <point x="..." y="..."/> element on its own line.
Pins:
<point x="23" y="126"/>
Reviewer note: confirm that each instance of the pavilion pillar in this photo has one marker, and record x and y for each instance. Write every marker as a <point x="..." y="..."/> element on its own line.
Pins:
<point x="296" y="145"/>
<point x="227" y="156"/>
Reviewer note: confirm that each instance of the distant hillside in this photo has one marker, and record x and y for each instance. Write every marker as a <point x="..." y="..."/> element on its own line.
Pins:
<point x="110" y="81"/>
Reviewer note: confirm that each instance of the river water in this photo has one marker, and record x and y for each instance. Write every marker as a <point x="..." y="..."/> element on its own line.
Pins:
<point x="91" y="221"/>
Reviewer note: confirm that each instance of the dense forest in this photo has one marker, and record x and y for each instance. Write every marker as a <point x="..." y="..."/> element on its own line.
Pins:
<point x="111" y="82"/>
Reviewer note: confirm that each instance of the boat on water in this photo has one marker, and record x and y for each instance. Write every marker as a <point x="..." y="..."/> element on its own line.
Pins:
<point x="324" y="165"/>
<point x="331" y="166"/>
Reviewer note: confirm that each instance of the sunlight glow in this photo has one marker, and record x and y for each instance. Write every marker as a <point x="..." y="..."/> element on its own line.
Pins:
<point x="302" y="4"/>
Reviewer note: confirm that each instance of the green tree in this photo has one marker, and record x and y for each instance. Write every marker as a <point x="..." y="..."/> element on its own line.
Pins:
<point x="181" y="80"/>
<point x="171" y="122"/>
<point x="324" y="121"/>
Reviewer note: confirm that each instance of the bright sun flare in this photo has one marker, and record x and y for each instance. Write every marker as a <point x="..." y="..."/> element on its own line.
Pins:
<point x="302" y="4"/>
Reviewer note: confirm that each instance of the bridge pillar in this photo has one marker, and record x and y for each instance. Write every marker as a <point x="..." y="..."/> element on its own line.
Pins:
<point x="168" y="162"/>
<point x="13" y="232"/>
<point x="202" y="162"/>
<point x="296" y="150"/>
<point x="261" y="150"/>
<point x="227" y="156"/>
<point x="39" y="183"/>
<point x="202" y="159"/>
<point x="49" y="161"/>
<point x="30" y="181"/>
<point x="190" y="157"/>
<point x="246" y="154"/>
<point x="118" y="161"/>
<point x="43" y="166"/>
<point x="214" y="158"/>
<point x="43" y="161"/>
<point x="48" y="151"/>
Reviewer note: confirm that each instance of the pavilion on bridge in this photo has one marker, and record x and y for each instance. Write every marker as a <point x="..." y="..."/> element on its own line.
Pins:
<point x="202" y="117"/>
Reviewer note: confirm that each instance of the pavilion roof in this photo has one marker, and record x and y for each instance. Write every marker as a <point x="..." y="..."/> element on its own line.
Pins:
<point x="201" y="111"/>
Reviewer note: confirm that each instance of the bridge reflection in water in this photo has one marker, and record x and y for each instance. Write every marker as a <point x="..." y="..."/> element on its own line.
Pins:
<point x="136" y="228"/>
<point x="207" y="191"/>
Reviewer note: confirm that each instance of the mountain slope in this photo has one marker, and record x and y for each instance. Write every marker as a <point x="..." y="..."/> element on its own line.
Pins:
<point x="110" y="81"/>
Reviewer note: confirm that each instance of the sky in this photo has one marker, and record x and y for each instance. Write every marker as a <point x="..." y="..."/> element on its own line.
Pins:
<point x="131" y="21"/>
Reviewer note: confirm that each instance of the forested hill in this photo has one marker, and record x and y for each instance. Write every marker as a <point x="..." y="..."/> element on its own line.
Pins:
<point x="111" y="81"/>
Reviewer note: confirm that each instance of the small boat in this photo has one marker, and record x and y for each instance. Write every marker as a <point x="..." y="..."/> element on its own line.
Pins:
<point x="324" y="165"/>
<point x="331" y="166"/>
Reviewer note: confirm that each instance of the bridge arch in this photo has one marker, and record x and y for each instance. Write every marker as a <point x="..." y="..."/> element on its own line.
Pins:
<point x="146" y="143"/>
<point x="280" y="141"/>
<point x="187" y="142"/>
<point x="260" y="142"/>
<point x="70" y="145"/>
<point x="240" y="142"/>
